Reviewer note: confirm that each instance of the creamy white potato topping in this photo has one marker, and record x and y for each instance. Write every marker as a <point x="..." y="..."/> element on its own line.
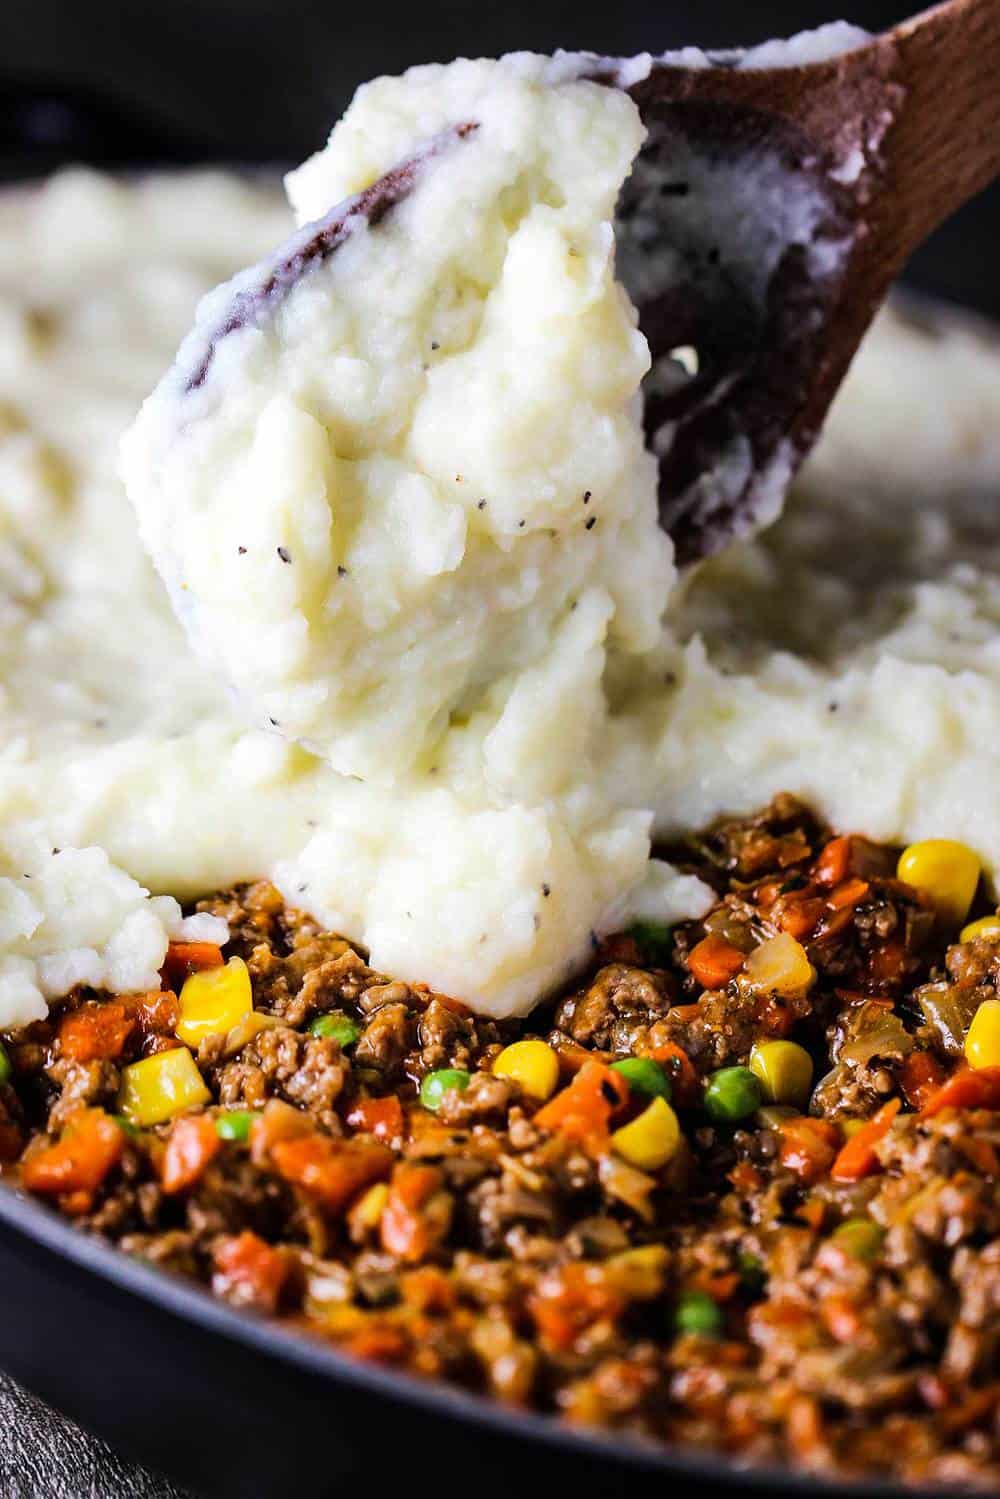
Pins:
<point x="849" y="655"/>
<point x="392" y="485"/>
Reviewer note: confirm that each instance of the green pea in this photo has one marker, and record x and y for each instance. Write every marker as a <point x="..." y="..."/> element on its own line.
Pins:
<point x="338" y="1026"/>
<point x="732" y="1094"/>
<point x="645" y="1076"/>
<point x="436" y="1084"/>
<point x="6" y="1068"/>
<point x="654" y="939"/>
<point x="697" y="1312"/>
<point x="860" y="1238"/>
<point x="235" y="1125"/>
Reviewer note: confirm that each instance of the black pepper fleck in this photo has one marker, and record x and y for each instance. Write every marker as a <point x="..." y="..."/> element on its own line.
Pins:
<point x="591" y="523"/>
<point x="434" y="345"/>
<point x="242" y="551"/>
<point x="481" y="505"/>
<point x="284" y="554"/>
<point x="341" y="572"/>
<point x="546" y="891"/>
<point x="587" y="495"/>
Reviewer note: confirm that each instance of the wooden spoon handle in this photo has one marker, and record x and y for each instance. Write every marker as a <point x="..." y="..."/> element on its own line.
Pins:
<point x="945" y="146"/>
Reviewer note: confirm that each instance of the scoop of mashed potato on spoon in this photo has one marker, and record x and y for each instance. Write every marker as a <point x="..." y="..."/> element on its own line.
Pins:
<point x="390" y="463"/>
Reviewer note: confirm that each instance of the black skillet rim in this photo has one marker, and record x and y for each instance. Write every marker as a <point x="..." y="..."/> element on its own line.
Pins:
<point x="188" y="1302"/>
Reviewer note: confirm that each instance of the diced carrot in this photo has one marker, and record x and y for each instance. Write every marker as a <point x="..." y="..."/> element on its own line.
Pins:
<point x="714" y="961"/>
<point x="570" y="1299"/>
<point x="888" y="962"/>
<point x="805" y="1430"/>
<point x="192" y="1144"/>
<point x="381" y="1117"/>
<point x="848" y="894"/>
<point x="95" y="1032"/>
<point x="721" y="1285"/>
<point x="156" y="1013"/>
<point x="981" y="1153"/>
<point x="90" y="1145"/>
<point x="921" y="1076"/>
<point x="799" y="917"/>
<point x="583" y="1110"/>
<point x="331" y="1171"/>
<point x="969" y="1088"/>
<point x="379" y="1344"/>
<point x="406" y="1230"/>
<point x="812" y="1212"/>
<point x="249" y="1272"/>
<point x="278" y="1121"/>
<point x="834" y="863"/>
<point x="767" y="893"/>
<point x="185" y="958"/>
<point x="684" y="1080"/>
<point x="841" y="1317"/>
<point x="857" y="1158"/>
<point x="833" y="923"/>
<point x="76" y="1204"/>
<point x="808" y="1147"/>
<point x="745" y="1177"/>
<point x="428" y="1290"/>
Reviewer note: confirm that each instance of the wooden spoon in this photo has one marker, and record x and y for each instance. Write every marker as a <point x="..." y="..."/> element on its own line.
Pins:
<point x="767" y="214"/>
<point x="766" y="217"/>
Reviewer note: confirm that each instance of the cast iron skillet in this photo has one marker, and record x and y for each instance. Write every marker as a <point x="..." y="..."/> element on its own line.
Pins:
<point x="225" y="1403"/>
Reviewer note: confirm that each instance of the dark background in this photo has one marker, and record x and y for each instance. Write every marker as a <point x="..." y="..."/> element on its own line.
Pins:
<point x="118" y="81"/>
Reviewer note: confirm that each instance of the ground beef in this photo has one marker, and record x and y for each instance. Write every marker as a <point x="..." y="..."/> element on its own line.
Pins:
<point x="308" y="1071"/>
<point x="748" y="1294"/>
<point x="607" y="1013"/>
<point x="387" y="1038"/>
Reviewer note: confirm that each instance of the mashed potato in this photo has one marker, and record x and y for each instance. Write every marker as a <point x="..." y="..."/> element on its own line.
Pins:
<point x="849" y="655"/>
<point x="389" y="486"/>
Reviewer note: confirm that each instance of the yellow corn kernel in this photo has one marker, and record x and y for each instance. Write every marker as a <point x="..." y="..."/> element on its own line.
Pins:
<point x="161" y="1086"/>
<point x="214" y="1001"/>
<point x="651" y="1140"/>
<point x="945" y="871"/>
<point x="639" y="1274"/>
<point x="982" y="1041"/>
<point x="785" y="1071"/>
<point x="986" y="926"/>
<point x="533" y="1064"/>
<point x="367" y="1211"/>
<point x="779" y="966"/>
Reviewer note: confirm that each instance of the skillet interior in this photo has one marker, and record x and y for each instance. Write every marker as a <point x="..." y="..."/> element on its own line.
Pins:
<point x="236" y="1406"/>
<point x="233" y="1406"/>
